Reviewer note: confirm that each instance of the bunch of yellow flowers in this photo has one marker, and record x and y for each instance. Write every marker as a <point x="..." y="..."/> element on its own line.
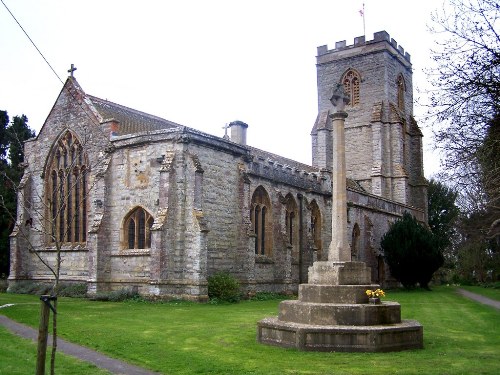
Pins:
<point x="375" y="293"/>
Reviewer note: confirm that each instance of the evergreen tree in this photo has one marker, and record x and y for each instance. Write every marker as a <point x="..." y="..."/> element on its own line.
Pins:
<point x="443" y="212"/>
<point x="5" y="222"/>
<point x="12" y="137"/>
<point x="412" y="252"/>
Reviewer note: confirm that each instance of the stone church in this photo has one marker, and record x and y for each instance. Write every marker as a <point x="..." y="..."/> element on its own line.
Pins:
<point x="136" y="201"/>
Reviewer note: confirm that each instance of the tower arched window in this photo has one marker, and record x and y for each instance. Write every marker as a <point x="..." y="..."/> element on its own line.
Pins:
<point x="351" y="81"/>
<point x="401" y="86"/>
<point x="137" y="227"/>
<point x="260" y="215"/>
<point x="66" y="191"/>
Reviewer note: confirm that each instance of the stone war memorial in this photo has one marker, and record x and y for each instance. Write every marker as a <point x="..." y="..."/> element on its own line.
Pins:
<point x="134" y="201"/>
<point x="332" y="312"/>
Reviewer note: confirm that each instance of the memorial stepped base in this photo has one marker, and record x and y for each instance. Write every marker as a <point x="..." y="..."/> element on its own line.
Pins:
<point x="339" y="317"/>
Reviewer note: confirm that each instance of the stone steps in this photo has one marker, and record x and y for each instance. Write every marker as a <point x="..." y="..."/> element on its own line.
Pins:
<point x="341" y="338"/>
<point x="333" y="314"/>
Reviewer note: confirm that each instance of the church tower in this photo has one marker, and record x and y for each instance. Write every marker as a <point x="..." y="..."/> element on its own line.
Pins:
<point x="383" y="140"/>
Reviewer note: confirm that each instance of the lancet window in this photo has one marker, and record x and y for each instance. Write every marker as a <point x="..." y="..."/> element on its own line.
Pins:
<point x="261" y="221"/>
<point x="400" y="82"/>
<point x="355" y="242"/>
<point x="66" y="198"/>
<point x="137" y="228"/>
<point x="315" y="228"/>
<point x="351" y="81"/>
<point x="291" y="220"/>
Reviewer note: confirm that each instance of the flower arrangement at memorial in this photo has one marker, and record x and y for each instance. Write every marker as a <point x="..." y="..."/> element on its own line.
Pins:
<point x="377" y="293"/>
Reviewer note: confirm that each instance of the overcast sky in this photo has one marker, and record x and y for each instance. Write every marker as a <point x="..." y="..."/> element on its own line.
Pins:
<point x="200" y="63"/>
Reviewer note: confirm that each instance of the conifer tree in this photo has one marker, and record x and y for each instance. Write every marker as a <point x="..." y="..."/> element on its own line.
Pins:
<point x="412" y="252"/>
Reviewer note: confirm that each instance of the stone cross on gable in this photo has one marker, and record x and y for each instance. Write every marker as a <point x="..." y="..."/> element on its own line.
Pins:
<point x="72" y="69"/>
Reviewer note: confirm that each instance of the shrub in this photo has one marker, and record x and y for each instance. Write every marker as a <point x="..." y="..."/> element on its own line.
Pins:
<point x="224" y="287"/>
<point x="73" y="290"/>
<point x="116" y="295"/>
<point x="412" y="252"/>
<point x="30" y="287"/>
<point x="3" y="285"/>
<point x="269" y="296"/>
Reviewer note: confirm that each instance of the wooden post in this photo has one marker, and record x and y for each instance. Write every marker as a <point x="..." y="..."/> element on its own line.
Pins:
<point x="42" y="335"/>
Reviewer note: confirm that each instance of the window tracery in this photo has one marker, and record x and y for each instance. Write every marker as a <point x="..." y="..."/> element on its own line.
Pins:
<point x="355" y="242"/>
<point x="315" y="228"/>
<point x="137" y="228"/>
<point x="291" y="219"/>
<point x="260" y="216"/>
<point x="351" y="81"/>
<point x="66" y="195"/>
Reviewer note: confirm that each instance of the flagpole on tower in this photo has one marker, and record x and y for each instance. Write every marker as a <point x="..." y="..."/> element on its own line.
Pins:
<point x="362" y="13"/>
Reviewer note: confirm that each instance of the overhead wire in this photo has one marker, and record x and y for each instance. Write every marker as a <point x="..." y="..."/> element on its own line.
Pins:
<point x="85" y="110"/>
<point x="34" y="45"/>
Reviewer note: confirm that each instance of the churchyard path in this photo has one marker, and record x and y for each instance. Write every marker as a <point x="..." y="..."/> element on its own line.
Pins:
<point x="479" y="298"/>
<point x="112" y="365"/>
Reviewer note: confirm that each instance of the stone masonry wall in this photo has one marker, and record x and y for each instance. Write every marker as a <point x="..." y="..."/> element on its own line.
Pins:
<point x="371" y="157"/>
<point x="69" y="112"/>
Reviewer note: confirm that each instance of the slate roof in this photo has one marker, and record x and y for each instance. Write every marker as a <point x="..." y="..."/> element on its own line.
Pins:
<point x="131" y="120"/>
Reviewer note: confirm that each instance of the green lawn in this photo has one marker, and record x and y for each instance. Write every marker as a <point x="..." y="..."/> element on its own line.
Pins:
<point x="18" y="357"/>
<point x="460" y="336"/>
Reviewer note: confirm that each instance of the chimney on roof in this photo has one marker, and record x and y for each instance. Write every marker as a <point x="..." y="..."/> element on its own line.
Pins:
<point x="238" y="132"/>
<point x="112" y="126"/>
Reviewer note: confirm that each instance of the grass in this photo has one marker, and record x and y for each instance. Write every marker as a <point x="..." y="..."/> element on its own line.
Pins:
<point x="18" y="357"/>
<point x="460" y="336"/>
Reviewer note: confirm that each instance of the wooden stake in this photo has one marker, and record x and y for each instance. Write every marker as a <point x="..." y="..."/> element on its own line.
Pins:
<point x="42" y="335"/>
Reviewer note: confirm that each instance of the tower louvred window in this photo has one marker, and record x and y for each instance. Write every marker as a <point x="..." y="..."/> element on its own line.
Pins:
<point x="351" y="81"/>
<point x="401" y="92"/>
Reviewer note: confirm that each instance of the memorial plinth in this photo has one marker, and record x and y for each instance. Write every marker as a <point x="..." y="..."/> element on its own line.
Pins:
<point x="337" y="317"/>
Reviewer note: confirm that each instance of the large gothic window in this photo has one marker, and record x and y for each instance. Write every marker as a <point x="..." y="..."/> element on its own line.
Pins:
<point x="400" y="82"/>
<point x="137" y="228"/>
<point x="261" y="221"/>
<point x="351" y="81"/>
<point x="315" y="228"/>
<point x="66" y="194"/>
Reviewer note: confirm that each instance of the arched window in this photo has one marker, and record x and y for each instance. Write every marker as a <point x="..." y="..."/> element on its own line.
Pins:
<point x="316" y="228"/>
<point x="66" y="194"/>
<point x="261" y="221"/>
<point x="291" y="219"/>
<point x="351" y="81"/>
<point x="400" y="82"/>
<point x="137" y="227"/>
<point x="355" y="243"/>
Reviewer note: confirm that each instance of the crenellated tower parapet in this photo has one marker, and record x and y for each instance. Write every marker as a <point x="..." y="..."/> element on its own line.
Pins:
<point x="383" y="142"/>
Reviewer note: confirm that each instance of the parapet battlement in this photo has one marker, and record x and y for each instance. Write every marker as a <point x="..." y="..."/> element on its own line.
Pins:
<point x="381" y="36"/>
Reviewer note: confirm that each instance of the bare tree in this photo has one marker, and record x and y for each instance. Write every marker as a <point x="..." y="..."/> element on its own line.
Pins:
<point x="53" y="206"/>
<point x="465" y="97"/>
